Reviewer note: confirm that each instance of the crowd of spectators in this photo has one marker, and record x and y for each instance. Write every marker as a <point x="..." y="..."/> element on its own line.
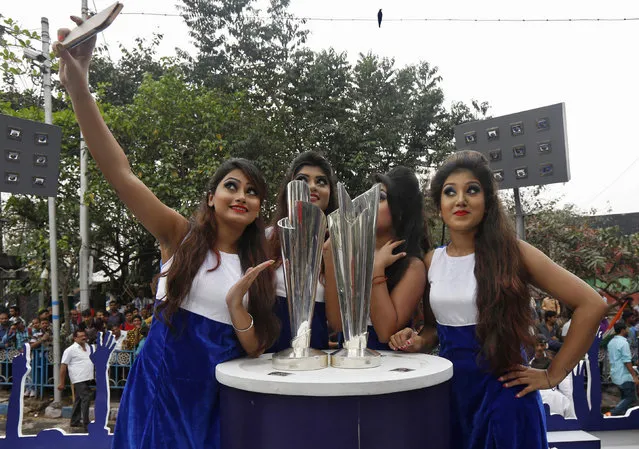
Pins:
<point x="130" y="317"/>
<point x="128" y="321"/>
<point x="621" y="327"/>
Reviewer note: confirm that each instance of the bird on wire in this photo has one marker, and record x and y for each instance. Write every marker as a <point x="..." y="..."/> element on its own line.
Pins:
<point x="379" y="18"/>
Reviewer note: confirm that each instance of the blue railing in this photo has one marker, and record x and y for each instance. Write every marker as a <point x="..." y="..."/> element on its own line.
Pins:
<point x="119" y="367"/>
<point x="41" y="377"/>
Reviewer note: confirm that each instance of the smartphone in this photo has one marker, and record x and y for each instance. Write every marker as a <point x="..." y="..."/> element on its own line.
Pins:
<point x="92" y="26"/>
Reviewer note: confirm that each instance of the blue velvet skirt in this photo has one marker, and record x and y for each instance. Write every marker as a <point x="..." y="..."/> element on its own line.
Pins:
<point x="171" y="399"/>
<point x="319" y="326"/>
<point x="484" y="414"/>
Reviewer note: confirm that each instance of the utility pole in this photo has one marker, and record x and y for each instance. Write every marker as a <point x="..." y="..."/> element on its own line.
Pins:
<point x="84" y="211"/>
<point x="2" y="221"/>
<point x="53" y="246"/>
<point x="519" y="215"/>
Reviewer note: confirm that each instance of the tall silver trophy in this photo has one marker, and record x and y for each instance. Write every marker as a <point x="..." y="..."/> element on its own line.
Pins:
<point x="302" y="236"/>
<point x="352" y="228"/>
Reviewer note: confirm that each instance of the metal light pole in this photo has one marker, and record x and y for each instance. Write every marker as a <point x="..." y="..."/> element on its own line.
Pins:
<point x="2" y="221"/>
<point x="84" y="211"/>
<point x="528" y="148"/>
<point x="53" y="247"/>
<point x="519" y="215"/>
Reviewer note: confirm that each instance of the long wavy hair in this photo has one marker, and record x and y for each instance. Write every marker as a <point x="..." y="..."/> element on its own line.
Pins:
<point x="306" y="159"/>
<point x="503" y="301"/>
<point x="202" y="238"/>
<point x="406" y="204"/>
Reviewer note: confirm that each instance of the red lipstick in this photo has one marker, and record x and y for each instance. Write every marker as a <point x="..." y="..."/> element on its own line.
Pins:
<point x="240" y="209"/>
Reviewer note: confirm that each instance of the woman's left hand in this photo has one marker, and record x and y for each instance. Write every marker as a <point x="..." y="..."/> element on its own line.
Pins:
<point x="384" y="256"/>
<point x="534" y="379"/>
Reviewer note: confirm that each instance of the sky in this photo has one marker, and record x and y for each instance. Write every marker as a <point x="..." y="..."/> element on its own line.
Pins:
<point x="514" y="66"/>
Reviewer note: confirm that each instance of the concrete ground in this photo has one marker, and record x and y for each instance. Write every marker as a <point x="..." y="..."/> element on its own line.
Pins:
<point x="620" y="439"/>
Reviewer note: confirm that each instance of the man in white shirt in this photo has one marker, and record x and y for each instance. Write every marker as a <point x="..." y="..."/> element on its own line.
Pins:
<point x="118" y="336"/>
<point x="77" y="362"/>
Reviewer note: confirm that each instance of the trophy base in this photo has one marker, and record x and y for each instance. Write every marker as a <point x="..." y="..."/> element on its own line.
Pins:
<point x="356" y="358"/>
<point x="309" y="359"/>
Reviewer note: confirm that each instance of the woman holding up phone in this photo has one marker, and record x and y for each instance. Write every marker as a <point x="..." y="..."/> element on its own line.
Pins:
<point x="215" y="305"/>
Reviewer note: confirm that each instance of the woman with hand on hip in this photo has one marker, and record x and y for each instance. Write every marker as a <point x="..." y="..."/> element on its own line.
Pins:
<point x="398" y="271"/>
<point x="313" y="169"/>
<point x="216" y="304"/>
<point x="479" y="297"/>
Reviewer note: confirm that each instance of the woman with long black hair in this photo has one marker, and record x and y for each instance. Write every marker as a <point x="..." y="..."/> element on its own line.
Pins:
<point x="215" y="289"/>
<point x="480" y="300"/>
<point x="398" y="271"/>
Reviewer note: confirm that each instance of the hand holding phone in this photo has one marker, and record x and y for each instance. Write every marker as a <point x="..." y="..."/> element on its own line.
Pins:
<point x="92" y="26"/>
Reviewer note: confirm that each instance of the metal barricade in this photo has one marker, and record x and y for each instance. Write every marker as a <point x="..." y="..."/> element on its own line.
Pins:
<point x="41" y="376"/>
<point x="119" y="366"/>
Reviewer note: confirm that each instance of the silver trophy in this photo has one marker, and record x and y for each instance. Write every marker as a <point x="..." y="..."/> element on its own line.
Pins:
<point x="301" y="236"/>
<point x="352" y="228"/>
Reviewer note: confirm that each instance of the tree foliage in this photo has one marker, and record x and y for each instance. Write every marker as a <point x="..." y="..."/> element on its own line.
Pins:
<point x="252" y="90"/>
<point x="365" y="117"/>
<point x="603" y="256"/>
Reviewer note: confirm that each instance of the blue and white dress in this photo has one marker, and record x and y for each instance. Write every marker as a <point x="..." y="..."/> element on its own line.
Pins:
<point x="484" y="414"/>
<point x="171" y="399"/>
<point x="319" y="325"/>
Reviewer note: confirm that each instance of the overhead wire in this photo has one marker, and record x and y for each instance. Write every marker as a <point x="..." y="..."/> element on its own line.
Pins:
<point x="613" y="182"/>
<point x="459" y="19"/>
<point x="427" y="19"/>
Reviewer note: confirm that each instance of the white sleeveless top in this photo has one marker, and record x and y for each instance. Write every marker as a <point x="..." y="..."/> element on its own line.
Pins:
<point x="453" y="289"/>
<point x="280" y="287"/>
<point x="207" y="296"/>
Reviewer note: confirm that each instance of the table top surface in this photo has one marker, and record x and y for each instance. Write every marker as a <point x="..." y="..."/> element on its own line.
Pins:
<point x="398" y="372"/>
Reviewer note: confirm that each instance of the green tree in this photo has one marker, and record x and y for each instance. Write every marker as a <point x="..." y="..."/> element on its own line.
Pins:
<point x="253" y="90"/>
<point x="242" y="47"/>
<point x="602" y="256"/>
<point x="13" y="41"/>
<point x="27" y="229"/>
<point x="117" y="82"/>
<point x="174" y="134"/>
<point x="365" y="118"/>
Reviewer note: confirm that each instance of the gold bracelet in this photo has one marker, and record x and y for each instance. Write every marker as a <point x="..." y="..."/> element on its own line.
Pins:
<point x="243" y="330"/>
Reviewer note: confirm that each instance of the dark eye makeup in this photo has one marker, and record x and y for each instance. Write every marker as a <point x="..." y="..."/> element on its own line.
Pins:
<point x="474" y="188"/>
<point x="449" y="191"/>
<point x="231" y="185"/>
